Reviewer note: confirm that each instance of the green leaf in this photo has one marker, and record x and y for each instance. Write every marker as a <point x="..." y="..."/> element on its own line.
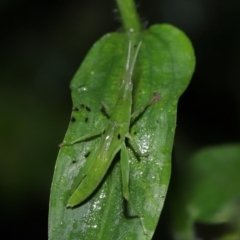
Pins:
<point x="165" y="64"/>
<point x="207" y="190"/>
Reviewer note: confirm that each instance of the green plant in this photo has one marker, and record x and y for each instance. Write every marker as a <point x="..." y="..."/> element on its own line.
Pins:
<point x="165" y="65"/>
<point x="206" y="191"/>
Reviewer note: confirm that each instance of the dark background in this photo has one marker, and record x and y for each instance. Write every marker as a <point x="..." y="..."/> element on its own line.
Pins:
<point x="42" y="44"/>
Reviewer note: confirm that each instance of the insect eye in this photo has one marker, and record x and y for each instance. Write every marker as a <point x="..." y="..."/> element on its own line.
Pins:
<point x="119" y="136"/>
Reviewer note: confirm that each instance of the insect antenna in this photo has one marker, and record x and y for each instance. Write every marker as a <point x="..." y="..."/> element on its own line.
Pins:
<point x="134" y="58"/>
<point x="128" y="56"/>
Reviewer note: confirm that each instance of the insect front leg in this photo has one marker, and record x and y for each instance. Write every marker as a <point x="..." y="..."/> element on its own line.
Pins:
<point x="125" y="182"/>
<point x="155" y="98"/>
<point x="106" y="108"/>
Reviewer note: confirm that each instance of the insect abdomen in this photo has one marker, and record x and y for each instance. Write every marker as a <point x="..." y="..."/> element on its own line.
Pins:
<point x="89" y="184"/>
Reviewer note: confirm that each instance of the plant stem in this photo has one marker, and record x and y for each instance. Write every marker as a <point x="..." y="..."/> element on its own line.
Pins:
<point x="129" y="16"/>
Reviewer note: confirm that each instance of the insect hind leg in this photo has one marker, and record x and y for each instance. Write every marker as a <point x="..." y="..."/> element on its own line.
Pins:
<point x="125" y="183"/>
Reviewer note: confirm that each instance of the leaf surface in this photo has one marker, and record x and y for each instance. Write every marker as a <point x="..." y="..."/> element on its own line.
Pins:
<point x="165" y="65"/>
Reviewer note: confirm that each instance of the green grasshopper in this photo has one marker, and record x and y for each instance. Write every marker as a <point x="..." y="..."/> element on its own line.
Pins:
<point x="112" y="141"/>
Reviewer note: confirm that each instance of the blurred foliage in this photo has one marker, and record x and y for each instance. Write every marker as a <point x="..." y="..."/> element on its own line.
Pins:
<point x="206" y="192"/>
<point x="42" y="45"/>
